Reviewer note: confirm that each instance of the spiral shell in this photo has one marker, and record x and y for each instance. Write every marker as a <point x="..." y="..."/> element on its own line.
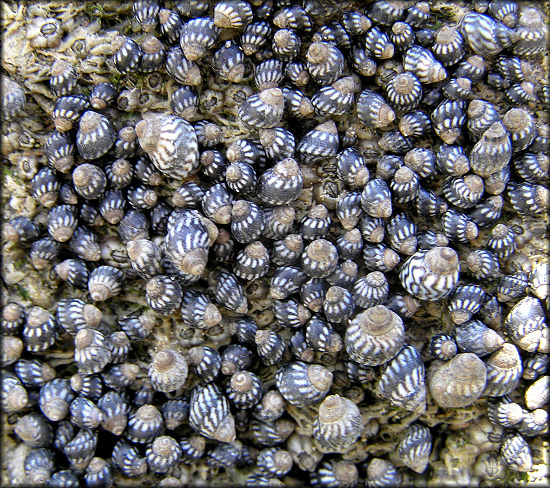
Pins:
<point x="168" y="371"/>
<point x="430" y="275"/>
<point x="415" y="447"/>
<point x="171" y="143"/>
<point x="538" y="393"/>
<point x="474" y="336"/>
<point x="526" y="326"/>
<point x="504" y="370"/>
<point x="303" y="384"/>
<point x="515" y="452"/>
<point x="337" y="425"/>
<point x="458" y="382"/>
<point x="209" y="413"/>
<point x="402" y="383"/>
<point x="382" y="473"/>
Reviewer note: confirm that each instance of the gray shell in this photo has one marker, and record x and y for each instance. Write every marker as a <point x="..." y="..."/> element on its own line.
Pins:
<point x="374" y="336"/>
<point x="171" y="143"/>
<point x="415" y="447"/>
<point x="526" y="326"/>
<point x="209" y="413"/>
<point x="403" y="381"/>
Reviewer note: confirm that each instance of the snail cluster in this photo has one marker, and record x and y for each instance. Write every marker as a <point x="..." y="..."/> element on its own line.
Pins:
<point x="276" y="242"/>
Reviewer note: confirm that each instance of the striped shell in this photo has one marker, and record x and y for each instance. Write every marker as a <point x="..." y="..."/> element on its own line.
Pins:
<point x="209" y="413"/>
<point x="504" y="370"/>
<point x="337" y="425"/>
<point x="415" y="447"/>
<point x="171" y="143"/>
<point x="526" y="326"/>
<point x="430" y="275"/>
<point x="402" y="383"/>
<point x="374" y="336"/>
<point x="303" y="384"/>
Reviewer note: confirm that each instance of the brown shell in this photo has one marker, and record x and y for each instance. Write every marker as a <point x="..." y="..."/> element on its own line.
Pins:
<point x="458" y="382"/>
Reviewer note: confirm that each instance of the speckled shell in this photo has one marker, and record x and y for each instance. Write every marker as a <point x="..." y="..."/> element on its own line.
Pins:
<point x="40" y="331"/>
<point x="281" y="184"/>
<point x="278" y="143"/>
<point x="443" y="347"/>
<point x="429" y="204"/>
<point x="13" y="99"/>
<point x="530" y="31"/>
<point x="182" y="69"/>
<point x="163" y="453"/>
<point x="209" y="413"/>
<point x="335" y="99"/>
<point x="502" y="411"/>
<point x="95" y="135"/>
<point x="415" y="447"/>
<point x="244" y="389"/>
<point x="465" y="301"/>
<point x="535" y="365"/>
<point x="232" y="14"/>
<point x="85" y="414"/>
<point x="229" y="293"/>
<point x="370" y="290"/>
<point x="316" y="223"/>
<point x="186" y="246"/>
<point x="254" y="36"/>
<point x="39" y="465"/>
<point x="458" y="382"/>
<point x="247" y="221"/>
<point x="431" y="275"/>
<point x="319" y="143"/>
<point x="14" y="396"/>
<point x="337" y="425"/>
<point x="92" y="353"/>
<point x="279" y="221"/>
<point x="325" y="62"/>
<point x="126" y="458"/>
<point x="115" y="412"/>
<point x="402" y="383"/>
<point x="374" y="336"/>
<point x="252" y="262"/>
<point x="144" y="425"/>
<point x="206" y="362"/>
<point x="197" y="36"/>
<point x="376" y="199"/>
<point x="171" y="143"/>
<point x="105" y="282"/>
<point x="34" y="430"/>
<point x="81" y="449"/>
<point x="270" y="346"/>
<point x="528" y="199"/>
<point x="74" y="314"/>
